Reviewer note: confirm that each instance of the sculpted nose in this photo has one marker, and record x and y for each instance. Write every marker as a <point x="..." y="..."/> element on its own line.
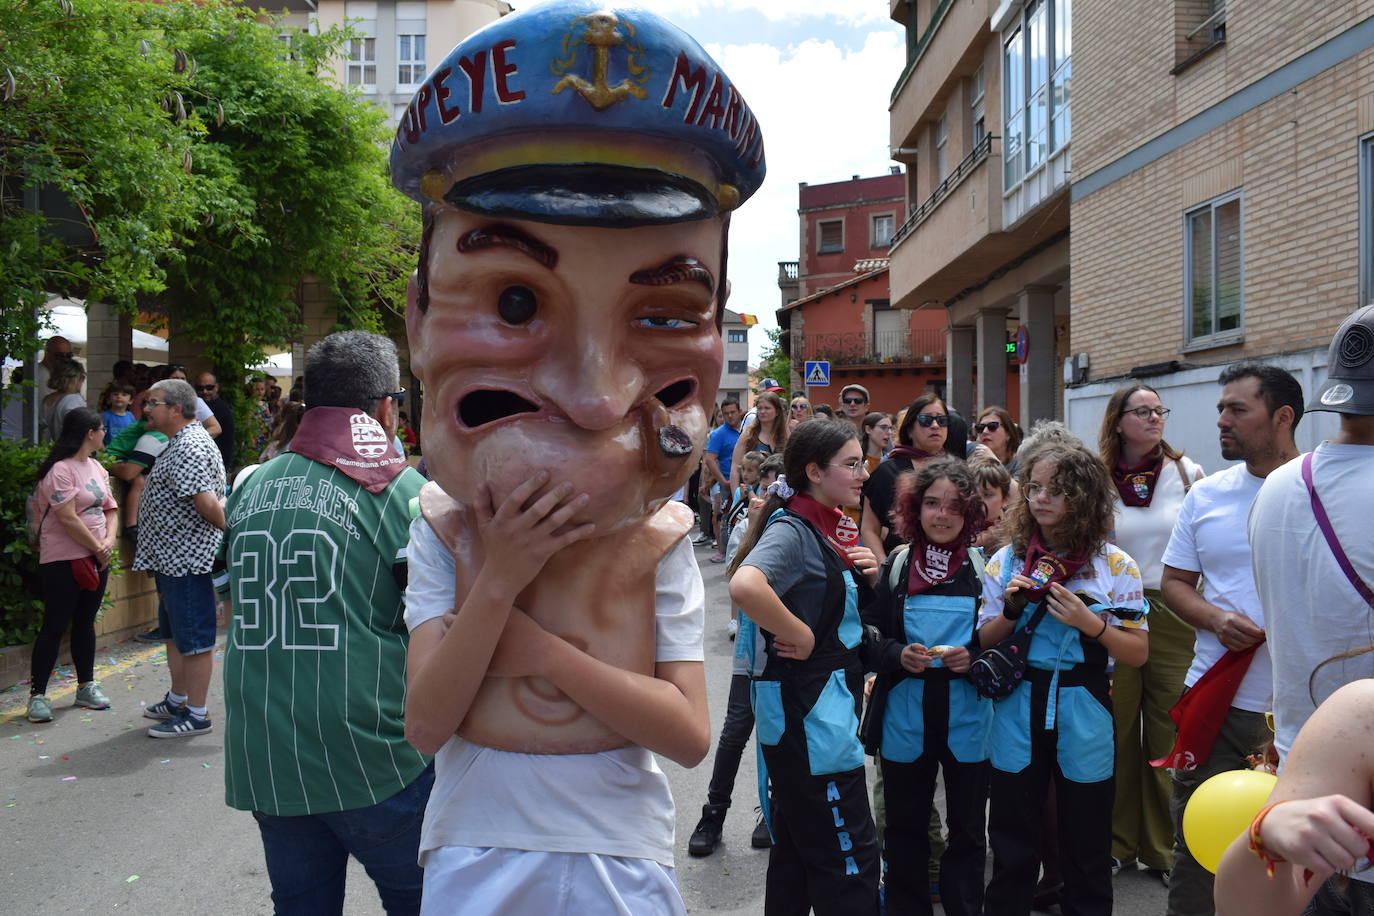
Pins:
<point x="591" y="382"/>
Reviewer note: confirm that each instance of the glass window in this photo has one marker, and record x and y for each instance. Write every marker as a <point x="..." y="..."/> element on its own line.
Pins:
<point x="737" y="335"/>
<point x="1013" y="70"/>
<point x="941" y="145"/>
<point x="738" y="367"/>
<point x="1213" y="252"/>
<point x="882" y="230"/>
<point x="362" y="62"/>
<point x="410" y="60"/>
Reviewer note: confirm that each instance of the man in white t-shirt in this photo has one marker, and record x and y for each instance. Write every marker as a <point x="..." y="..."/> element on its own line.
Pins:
<point x="1312" y="610"/>
<point x="1259" y="407"/>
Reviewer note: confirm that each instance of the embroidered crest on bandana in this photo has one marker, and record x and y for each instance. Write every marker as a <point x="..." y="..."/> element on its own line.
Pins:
<point x="846" y="532"/>
<point x="369" y="438"/>
<point x="1141" y="485"/>
<point x="936" y="566"/>
<point x="1045" y="568"/>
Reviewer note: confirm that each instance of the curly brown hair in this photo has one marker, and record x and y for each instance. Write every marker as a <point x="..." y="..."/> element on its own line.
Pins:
<point x="911" y="489"/>
<point x="1089" y="516"/>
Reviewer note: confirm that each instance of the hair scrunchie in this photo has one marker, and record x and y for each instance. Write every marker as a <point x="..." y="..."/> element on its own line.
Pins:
<point x="780" y="489"/>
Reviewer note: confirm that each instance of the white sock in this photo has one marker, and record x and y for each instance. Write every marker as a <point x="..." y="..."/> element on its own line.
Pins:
<point x="176" y="699"/>
<point x="198" y="711"/>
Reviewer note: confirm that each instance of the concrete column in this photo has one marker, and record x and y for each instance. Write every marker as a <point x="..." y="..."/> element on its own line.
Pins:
<point x="1037" y="373"/>
<point x="109" y="338"/>
<point x="992" y="358"/>
<point x="959" y="369"/>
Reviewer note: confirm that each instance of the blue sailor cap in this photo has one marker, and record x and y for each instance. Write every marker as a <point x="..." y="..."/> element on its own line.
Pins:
<point x="575" y="113"/>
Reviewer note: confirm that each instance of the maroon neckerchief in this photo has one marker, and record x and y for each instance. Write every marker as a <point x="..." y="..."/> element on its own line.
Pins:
<point x="1136" y="484"/>
<point x="352" y="443"/>
<point x="1045" y="568"/>
<point x="911" y="452"/>
<point x="932" y="564"/>
<point x="838" y="529"/>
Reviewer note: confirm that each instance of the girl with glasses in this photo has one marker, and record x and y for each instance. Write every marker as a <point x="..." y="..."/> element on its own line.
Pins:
<point x="1055" y="728"/>
<point x="876" y="441"/>
<point x="920" y="437"/>
<point x="798" y="575"/>
<point x="924" y="716"/>
<point x="1151" y="479"/>
<point x="799" y="411"/>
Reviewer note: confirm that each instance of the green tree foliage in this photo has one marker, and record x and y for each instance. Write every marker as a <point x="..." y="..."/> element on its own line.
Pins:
<point x="775" y="363"/>
<point x="211" y="164"/>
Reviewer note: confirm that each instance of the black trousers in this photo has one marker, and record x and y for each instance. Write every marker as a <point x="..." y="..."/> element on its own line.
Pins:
<point x="825" y="848"/>
<point x="910" y="789"/>
<point x="734" y="736"/>
<point x="64" y="605"/>
<point x="1085" y="828"/>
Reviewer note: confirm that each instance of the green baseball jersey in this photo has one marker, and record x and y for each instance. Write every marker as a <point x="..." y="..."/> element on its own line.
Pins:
<point x="314" y="667"/>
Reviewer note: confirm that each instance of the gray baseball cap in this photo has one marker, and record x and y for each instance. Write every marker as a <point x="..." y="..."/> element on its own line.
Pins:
<point x="1349" y="386"/>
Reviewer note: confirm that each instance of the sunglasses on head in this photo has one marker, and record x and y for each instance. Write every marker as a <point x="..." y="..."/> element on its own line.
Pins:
<point x="932" y="419"/>
<point x="991" y="426"/>
<point x="854" y="400"/>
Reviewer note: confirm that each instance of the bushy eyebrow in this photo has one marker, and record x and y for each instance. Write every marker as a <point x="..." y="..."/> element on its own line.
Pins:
<point x="504" y="235"/>
<point x="676" y="270"/>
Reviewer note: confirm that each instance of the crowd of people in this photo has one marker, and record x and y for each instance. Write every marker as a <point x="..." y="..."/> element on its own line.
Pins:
<point x="1162" y="646"/>
<point x="881" y="567"/>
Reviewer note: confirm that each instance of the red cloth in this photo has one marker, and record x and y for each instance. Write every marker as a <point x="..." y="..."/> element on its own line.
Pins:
<point x="1136" y="484"/>
<point x="1044" y="568"/>
<point x="1201" y="710"/>
<point x="932" y="564"/>
<point x="838" y="529"/>
<point x="915" y="454"/>
<point x="351" y="442"/>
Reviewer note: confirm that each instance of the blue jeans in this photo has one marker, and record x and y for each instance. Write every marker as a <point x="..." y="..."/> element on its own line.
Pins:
<point x="307" y="855"/>
<point x="186" y="610"/>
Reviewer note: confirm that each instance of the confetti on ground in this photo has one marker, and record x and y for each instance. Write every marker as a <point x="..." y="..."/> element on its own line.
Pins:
<point x="42" y="756"/>
<point x="131" y="879"/>
<point x="11" y="805"/>
<point x="69" y="779"/>
<point x="206" y="765"/>
<point x="65" y="757"/>
<point x="168" y="760"/>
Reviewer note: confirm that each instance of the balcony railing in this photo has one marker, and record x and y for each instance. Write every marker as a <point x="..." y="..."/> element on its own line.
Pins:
<point x="879" y="348"/>
<point x="787" y="270"/>
<point x="952" y="180"/>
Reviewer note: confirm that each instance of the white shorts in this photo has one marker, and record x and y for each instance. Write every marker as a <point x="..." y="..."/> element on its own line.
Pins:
<point x="494" y="881"/>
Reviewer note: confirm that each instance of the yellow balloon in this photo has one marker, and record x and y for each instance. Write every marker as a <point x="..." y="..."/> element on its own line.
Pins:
<point x="1221" y="809"/>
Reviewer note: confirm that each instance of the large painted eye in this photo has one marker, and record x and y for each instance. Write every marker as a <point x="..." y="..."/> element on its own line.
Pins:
<point x="662" y="322"/>
<point x="516" y="304"/>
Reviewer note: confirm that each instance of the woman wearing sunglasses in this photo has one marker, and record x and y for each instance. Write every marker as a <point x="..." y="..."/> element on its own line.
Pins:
<point x="1151" y="478"/>
<point x="920" y="437"/>
<point x="798" y="412"/>
<point x="996" y="429"/>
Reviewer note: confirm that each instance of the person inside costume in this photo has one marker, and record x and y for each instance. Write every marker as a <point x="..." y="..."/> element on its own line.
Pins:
<point x="565" y="321"/>
<point x="1056" y="726"/>
<point x="924" y="714"/>
<point x="798" y="575"/>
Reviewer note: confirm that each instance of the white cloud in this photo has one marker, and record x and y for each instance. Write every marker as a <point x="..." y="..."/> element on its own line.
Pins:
<point x="824" y="118"/>
<point x="870" y="12"/>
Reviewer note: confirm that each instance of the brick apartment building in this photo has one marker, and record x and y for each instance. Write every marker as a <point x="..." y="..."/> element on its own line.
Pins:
<point x="1222" y="198"/>
<point x="981" y="118"/>
<point x="835" y="301"/>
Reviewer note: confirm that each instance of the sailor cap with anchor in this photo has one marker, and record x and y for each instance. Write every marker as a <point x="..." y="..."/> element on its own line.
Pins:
<point x="576" y="113"/>
<point x="1349" y="386"/>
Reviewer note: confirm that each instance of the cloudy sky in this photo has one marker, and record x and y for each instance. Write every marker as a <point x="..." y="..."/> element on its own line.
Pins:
<point x="818" y="74"/>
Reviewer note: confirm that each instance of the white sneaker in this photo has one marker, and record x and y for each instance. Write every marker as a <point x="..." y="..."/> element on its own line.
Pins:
<point x="732" y="627"/>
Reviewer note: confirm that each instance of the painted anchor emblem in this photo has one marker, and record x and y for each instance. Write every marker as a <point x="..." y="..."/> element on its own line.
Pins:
<point x="601" y="32"/>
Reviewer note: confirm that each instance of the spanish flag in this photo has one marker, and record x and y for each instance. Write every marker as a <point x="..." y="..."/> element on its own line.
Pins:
<point x="749" y="320"/>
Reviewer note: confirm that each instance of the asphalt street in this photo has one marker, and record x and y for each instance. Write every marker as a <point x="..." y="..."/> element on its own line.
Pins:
<point x="97" y="817"/>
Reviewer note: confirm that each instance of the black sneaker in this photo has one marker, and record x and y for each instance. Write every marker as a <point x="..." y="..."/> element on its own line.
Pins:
<point x="761" y="838"/>
<point x="706" y="837"/>
<point x="153" y="635"/>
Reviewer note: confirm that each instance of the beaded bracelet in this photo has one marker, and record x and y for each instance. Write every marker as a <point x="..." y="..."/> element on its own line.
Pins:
<point x="1257" y="842"/>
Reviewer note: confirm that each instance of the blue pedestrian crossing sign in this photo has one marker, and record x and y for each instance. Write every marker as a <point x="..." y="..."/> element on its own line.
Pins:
<point x="818" y="373"/>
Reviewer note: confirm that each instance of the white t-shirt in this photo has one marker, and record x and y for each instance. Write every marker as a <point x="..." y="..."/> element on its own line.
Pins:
<point x="1311" y="611"/>
<point x="614" y="803"/>
<point x="1143" y="531"/>
<point x="1209" y="538"/>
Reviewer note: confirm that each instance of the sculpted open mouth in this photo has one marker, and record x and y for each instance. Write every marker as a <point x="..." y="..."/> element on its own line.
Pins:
<point x="491" y="405"/>
<point x="485" y="406"/>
